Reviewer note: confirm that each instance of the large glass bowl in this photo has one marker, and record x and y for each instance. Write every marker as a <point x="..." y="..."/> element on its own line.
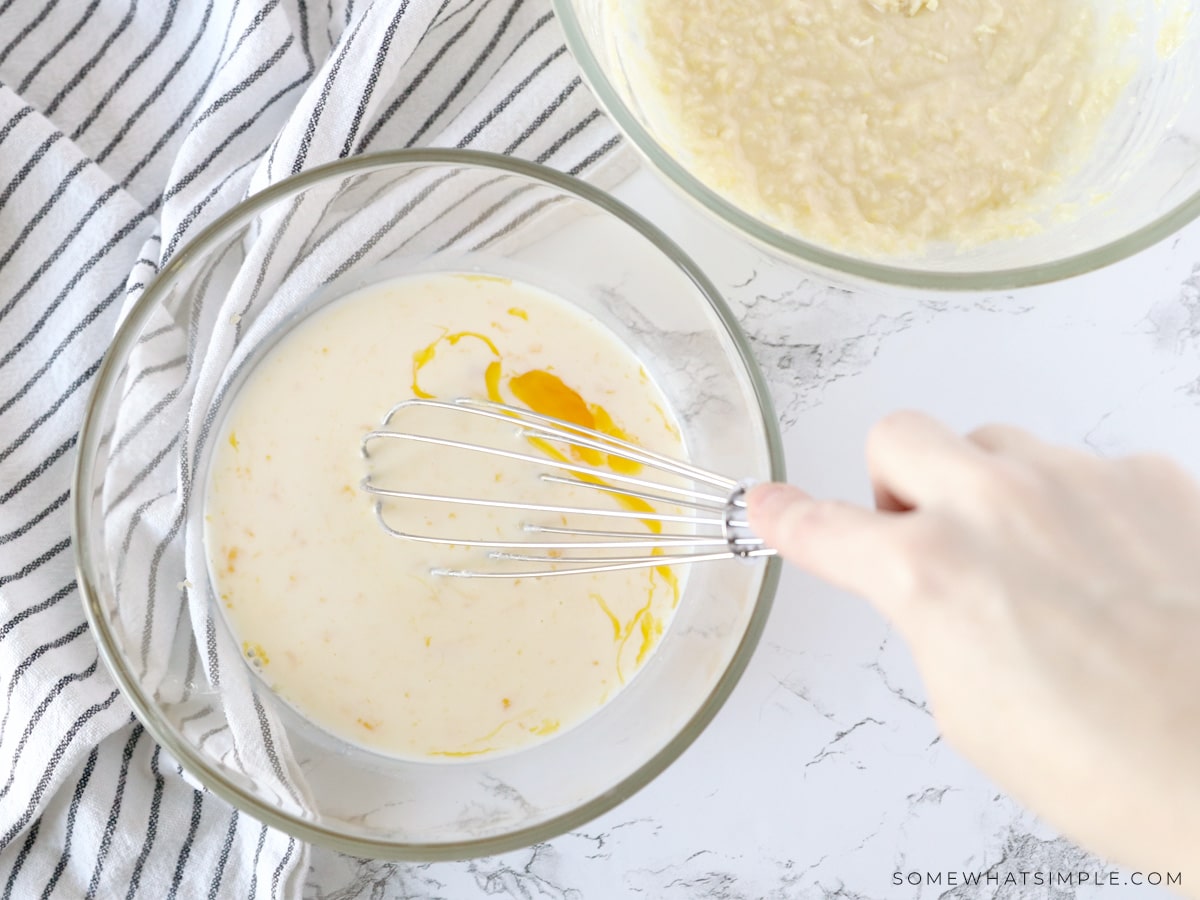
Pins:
<point x="138" y="493"/>
<point x="1141" y="183"/>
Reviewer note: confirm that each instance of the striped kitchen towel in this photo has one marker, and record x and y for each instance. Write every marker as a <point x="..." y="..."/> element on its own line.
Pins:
<point x="125" y="127"/>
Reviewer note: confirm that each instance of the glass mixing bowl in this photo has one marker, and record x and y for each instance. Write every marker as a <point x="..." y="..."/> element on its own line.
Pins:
<point x="1141" y="183"/>
<point x="145" y="442"/>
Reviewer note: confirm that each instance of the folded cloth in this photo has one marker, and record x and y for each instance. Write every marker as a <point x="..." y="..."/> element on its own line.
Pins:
<point x="125" y="127"/>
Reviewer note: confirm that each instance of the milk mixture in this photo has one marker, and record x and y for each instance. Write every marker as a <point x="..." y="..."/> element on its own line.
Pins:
<point x="877" y="125"/>
<point x="346" y="622"/>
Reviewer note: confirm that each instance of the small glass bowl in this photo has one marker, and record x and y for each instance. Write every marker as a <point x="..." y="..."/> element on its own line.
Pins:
<point x="144" y="446"/>
<point x="1140" y="185"/>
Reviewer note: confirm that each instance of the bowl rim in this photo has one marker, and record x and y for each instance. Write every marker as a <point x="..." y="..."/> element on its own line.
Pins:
<point x="86" y="554"/>
<point x="795" y="249"/>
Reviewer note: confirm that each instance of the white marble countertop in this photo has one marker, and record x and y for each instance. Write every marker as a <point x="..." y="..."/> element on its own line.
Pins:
<point x="824" y="775"/>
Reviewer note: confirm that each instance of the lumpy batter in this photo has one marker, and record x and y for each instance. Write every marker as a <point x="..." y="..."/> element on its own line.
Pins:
<point x="876" y="125"/>
<point x="346" y="622"/>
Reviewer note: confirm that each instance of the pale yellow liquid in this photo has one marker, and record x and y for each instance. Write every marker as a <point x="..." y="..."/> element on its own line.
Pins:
<point x="346" y="622"/>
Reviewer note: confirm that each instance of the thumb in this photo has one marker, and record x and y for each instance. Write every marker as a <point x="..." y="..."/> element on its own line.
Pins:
<point x="852" y="548"/>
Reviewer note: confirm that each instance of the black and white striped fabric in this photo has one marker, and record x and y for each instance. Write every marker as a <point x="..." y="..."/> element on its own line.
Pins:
<point x="126" y="126"/>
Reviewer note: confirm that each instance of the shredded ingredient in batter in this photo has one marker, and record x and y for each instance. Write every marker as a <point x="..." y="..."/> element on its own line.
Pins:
<point x="876" y="125"/>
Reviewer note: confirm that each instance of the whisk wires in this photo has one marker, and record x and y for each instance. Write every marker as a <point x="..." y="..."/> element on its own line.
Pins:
<point x="710" y="524"/>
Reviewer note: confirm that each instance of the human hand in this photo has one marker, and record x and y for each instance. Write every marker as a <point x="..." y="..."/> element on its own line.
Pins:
<point x="1051" y="600"/>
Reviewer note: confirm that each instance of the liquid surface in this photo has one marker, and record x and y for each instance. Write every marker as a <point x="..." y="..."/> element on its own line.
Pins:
<point x="877" y="126"/>
<point x="346" y="622"/>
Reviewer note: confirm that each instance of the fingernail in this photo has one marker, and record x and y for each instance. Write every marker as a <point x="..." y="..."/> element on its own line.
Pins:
<point x="766" y="501"/>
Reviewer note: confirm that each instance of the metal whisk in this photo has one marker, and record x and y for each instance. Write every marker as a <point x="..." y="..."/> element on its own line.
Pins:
<point x="711" y="525"/>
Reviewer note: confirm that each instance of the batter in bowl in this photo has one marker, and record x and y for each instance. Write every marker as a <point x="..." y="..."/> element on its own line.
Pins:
<point x="877" y="126"/>
<point x="346" y="622"/>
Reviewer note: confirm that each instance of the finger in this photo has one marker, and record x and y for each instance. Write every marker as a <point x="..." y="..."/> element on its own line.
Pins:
<point x="1009" y="441"/>
<point x="1018" y="444"/>
<point x="850" y="547"/>
<point x="913" y="459"/>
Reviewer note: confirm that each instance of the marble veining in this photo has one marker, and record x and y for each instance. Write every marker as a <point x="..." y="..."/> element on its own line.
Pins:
<point x="825" y="776"/>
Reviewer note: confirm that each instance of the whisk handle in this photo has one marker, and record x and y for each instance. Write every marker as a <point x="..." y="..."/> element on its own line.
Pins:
<point x="735" y="526"/>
